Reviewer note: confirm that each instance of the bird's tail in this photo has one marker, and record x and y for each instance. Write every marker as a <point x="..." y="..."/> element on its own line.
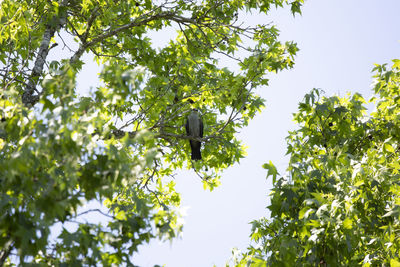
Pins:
<point x="196" y="154"/>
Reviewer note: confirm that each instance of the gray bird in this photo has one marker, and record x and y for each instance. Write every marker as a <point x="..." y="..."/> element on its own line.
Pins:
<point x="194" y="128"/>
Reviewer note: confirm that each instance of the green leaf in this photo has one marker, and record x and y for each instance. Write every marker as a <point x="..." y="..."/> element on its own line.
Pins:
<point x="394" y="263"/>
<point x="348" y="223"/>
<point x="121" y="216"/>
<point x="305" y="213"/>
<point x="272" y="171"/>
<point x="396" y="64"/>
<point x="388" y="148"/>
<point x="359" y="183"/>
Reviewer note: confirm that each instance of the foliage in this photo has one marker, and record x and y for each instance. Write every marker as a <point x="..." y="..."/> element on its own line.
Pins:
<point x="120" y="144"/>
<point x="340" y="204"/>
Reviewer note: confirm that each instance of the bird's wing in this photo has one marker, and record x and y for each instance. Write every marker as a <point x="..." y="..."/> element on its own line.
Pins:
<point x="201" y="126"/>
<point x="187" y="126"/>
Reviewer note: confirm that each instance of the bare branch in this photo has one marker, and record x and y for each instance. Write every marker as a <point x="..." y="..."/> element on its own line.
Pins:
<point x="95" y="210"/>
<point x="183" y="136"/>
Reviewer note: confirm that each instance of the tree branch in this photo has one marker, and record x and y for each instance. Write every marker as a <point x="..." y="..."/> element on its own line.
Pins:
<point x="5" y="251"/>
<point x="136" y="23"/>
<point x="95" y="210"/>
<point x="28" y="97"/>
<point x="120" y="134"/>
<point x="183" y="136"/>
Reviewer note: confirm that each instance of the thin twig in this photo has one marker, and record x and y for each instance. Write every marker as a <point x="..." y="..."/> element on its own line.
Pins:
<point x="95" y="210"/>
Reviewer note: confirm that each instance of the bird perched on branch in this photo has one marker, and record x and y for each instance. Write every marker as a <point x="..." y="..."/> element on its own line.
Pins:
<point x="194" y="128"/>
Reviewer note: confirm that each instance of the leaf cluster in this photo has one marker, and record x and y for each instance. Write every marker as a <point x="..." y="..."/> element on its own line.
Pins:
<point x="339" y="204"/>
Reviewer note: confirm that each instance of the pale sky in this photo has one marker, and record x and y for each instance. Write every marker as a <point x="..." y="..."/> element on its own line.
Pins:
<point x="339" y="42"/>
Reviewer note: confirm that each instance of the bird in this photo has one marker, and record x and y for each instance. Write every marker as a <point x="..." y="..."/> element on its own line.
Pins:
<point x="194" y="128"/>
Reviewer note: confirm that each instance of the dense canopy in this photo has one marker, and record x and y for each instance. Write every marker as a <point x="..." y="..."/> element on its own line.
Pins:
<point x="121" y="142"/>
